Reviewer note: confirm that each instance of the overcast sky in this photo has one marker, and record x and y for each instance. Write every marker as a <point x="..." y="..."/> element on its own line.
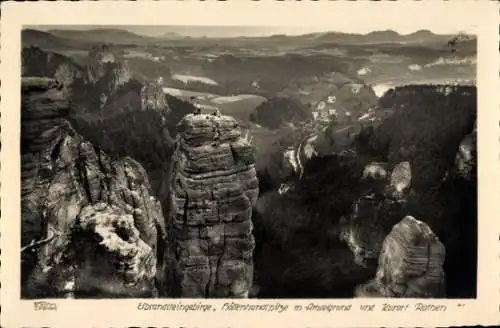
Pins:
<point x="249" y="18"/>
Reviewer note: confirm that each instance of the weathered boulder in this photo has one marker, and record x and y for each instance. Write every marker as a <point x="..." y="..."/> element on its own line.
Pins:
<point x="213" y="189"/>
<point x="410" y="264"/>
<point x="90" y="226"/>
<point x="400" y="181"/>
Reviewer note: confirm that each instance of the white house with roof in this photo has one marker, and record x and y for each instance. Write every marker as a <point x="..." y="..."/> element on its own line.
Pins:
<point x="332" y="112"/>
<point x="331" y="99"/>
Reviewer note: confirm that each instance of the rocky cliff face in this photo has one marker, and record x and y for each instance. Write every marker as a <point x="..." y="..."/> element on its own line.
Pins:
<point x="90" y="225"/>
<point x="410" y="264"/>
<point x="213" y="190"/>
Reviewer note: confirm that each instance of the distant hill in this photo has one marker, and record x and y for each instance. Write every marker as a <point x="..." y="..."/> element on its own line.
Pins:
<point x="173" y="35"/>
<point x="392" y="36"/>
<point x="69" y="39"/>
<point x="386" y="36"/>
<point x="105" y="35"/>
<point x="422" y="33"/>
<point x="45" y="40"/>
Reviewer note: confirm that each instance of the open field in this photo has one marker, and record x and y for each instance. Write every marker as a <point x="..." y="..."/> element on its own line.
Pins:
<point x="189" y="78"/>
<point x="238" y="106"/>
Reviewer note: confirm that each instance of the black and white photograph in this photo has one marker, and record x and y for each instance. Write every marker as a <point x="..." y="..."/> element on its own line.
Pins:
<point x="267" y="162"/>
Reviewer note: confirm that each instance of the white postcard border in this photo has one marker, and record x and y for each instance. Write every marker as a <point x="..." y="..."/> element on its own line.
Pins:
<point x="482" y="17"/>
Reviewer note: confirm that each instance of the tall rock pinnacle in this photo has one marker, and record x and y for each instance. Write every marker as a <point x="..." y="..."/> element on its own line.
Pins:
<point x="213" y="189"/>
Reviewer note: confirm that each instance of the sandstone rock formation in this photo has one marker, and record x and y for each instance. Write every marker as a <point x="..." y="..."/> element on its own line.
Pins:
<point x="213" y="190"/>
<point x="97" y="59"/>
<point x="90" y="226"/>
<point x="103" y="64"/>
<point x="153" y="97"/>
<point x="400" y="180"/>
<point x="410" y="264"/>
<point x="101" y="54"/>
<point x="376" y="211"/>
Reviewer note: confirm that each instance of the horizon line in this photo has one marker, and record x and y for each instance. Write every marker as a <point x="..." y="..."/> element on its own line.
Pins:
<point x="141" y="30"/>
